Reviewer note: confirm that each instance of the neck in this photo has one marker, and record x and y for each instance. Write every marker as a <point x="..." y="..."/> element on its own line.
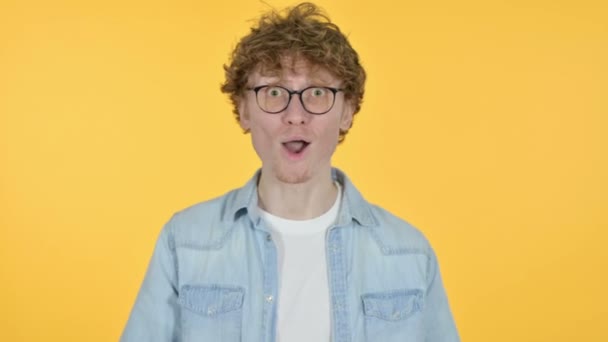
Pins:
<point x="299" y="201"/>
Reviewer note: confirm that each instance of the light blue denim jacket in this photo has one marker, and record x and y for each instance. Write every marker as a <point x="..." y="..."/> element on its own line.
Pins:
<point x="213" y="276"/>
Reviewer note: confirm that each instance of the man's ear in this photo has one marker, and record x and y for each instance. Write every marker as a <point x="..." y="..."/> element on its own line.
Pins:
<point x="346" y="121"/>
<point x="243" y="116"/>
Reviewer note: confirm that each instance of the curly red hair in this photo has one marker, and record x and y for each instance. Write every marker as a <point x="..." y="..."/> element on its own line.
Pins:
<point x="301" y="32"/>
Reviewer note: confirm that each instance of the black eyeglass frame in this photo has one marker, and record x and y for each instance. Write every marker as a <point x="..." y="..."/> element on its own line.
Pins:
<point x="293" y="92"/>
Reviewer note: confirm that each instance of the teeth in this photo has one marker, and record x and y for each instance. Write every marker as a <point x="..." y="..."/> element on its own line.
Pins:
<point x="295" y="146"/>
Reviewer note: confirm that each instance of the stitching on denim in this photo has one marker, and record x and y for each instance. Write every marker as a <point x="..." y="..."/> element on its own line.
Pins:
<point x="372" y="304"/>
<point x="399" y="250"/>
<point x="233" y="295"/>
<point x="217" y="245"/>
<point x="393" y="293"/>
<point x="338" y="285"/>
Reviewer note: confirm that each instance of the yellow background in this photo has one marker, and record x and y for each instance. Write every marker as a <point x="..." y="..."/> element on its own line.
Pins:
<point x="484" y="124"/>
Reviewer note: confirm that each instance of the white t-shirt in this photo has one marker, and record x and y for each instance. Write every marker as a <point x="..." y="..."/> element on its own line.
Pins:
<point x="303" y="303"/>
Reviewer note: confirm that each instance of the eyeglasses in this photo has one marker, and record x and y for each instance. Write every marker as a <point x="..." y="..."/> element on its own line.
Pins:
<point x="315" y="100"/>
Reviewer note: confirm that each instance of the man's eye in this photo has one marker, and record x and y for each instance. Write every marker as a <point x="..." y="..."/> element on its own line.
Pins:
<point x="318" y="92"/>
<point x="275" y="92"/>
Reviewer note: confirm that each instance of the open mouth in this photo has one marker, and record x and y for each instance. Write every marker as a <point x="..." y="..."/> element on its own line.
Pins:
<point x="296" y="146"/>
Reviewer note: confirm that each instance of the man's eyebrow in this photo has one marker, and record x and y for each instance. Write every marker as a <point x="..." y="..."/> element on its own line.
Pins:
<point x="315" y="78"/>
<point x="270" y="79"/>
<point x="324" y="81"/>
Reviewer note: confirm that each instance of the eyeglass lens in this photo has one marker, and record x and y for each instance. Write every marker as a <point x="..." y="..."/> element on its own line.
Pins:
<point x="275" y="99"/>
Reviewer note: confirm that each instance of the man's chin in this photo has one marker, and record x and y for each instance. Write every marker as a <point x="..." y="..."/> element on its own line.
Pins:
<point x="291" y="176"/>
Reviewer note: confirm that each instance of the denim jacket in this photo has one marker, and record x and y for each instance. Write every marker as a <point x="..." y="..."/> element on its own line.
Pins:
<point x="213" y="276"/>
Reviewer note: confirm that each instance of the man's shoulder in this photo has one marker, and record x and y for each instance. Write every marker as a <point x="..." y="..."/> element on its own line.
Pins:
<point x="216" y="207"/>
<point x="393" y="234"/>
<point x="396" y="235"/>
<point x="205" y="224"/>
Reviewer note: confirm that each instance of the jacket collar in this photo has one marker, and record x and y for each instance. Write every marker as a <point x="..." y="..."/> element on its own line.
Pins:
<point x="353" y="207"/>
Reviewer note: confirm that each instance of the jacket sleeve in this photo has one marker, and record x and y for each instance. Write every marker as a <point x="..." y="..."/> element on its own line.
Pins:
<point x="438" y="320"/>
<point x="155" y="314"/>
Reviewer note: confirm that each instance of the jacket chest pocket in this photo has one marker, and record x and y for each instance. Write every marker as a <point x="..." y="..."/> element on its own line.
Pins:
<point x="393" y="315"/>
<point x="211" y="313"/>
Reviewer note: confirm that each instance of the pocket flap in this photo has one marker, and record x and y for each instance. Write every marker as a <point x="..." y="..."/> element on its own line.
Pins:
<point x="211" y="300"/>
<point x="393" y="305"/>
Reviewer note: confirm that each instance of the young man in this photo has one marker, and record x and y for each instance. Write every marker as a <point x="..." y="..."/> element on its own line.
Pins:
<point x="296" y="254"/>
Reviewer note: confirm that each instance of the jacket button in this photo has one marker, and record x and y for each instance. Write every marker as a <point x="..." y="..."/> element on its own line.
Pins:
<point x="269" y="299"/>
<point x="268" y="237"/>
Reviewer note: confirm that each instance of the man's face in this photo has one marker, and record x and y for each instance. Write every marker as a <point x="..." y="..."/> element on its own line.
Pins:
<point x="294" y="145"/>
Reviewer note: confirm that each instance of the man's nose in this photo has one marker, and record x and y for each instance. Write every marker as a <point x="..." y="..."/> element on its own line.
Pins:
<point x="295" y="114"/>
